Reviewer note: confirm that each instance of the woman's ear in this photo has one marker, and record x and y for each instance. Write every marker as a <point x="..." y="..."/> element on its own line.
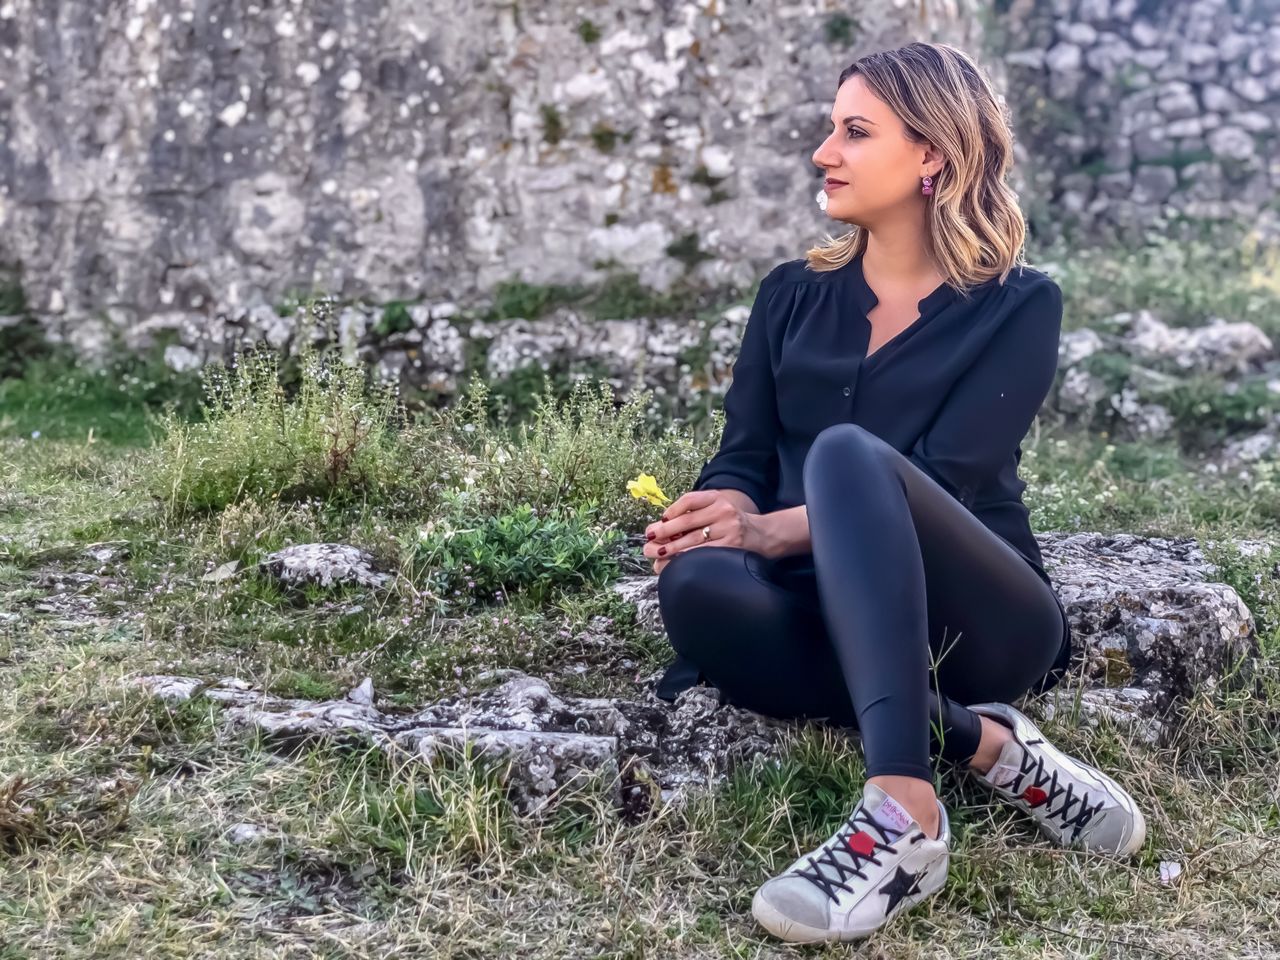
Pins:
<point x="932" y="162"/>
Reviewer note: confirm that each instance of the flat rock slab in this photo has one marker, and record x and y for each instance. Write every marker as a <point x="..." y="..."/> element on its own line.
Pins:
<point x="649" y="749"/>
<point x="1146" y="612"/>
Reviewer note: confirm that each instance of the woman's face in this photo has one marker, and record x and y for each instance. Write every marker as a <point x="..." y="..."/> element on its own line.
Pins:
<point x="882" y="171"/>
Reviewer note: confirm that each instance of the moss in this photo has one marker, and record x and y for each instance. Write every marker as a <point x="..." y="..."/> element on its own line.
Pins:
<point x="702" y="176"/>
<point x="515" y="298"/>
<point x="395" y="319"/>
<point x="604" y="136"/>
<point x="840" y="28"/>
<point x="552" y="123"/>
<point x="687" y="249"/>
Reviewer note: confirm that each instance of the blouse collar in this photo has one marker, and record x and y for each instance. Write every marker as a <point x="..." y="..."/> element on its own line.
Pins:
<point x="867" y="299"/>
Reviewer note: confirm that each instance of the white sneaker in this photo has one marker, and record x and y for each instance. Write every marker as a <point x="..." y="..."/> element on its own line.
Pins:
<point x="1074" y="804"/>
<point x="874" y="868"/>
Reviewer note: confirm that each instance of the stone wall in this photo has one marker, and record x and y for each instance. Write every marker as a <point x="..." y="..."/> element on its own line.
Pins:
<point x="1139" y="112"/>
<point x="192" y="165"/>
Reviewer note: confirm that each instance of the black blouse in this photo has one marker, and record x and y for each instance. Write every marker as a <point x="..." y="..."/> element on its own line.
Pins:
<point x="956" y="391"/>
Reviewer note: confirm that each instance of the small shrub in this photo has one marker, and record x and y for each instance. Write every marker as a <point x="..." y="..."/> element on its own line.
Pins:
<point x="516" y="551"/>
<point x="688" y="250"/>
<point x="1068" y="488"/>
<point x="1183" y="280"/>
<point x="839" y="29"/>
<point x="1204" y="408"/>
<point x="604" y="136"/>
<point x="395" y="319"/>
<point x="575" y="452"/>
<point x="528" y="301"/>
<point x="334" y="439"/>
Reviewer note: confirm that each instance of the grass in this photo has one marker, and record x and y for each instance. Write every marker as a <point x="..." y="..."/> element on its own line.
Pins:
<point x="117" y="403"/>
<point x="131" y="828"/>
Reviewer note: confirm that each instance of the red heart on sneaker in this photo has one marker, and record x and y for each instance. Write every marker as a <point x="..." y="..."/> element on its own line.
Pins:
<point x="863" y="843"/>
<point x="1034" y="796"/>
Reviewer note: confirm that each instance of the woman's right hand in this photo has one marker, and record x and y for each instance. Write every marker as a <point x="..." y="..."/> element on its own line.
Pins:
<point x="739" y="503"/>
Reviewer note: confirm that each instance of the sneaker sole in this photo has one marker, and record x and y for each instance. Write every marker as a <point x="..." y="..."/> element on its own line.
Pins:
<point x="784" y="928"/>
<point x="1029" y="731"/>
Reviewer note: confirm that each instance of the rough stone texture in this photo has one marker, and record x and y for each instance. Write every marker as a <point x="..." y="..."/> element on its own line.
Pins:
<point x="548" y="740"/>
<point x="1129" y="708"/>
<point x="1146" y="613"/>
<point x="1138" y="113"/>
<point x="1158" y="359"/>
<point x="172" y="169"/>
<point x="324" y="564"/>
<point x="1218" y="347"/>
<point x="181" y="166"/>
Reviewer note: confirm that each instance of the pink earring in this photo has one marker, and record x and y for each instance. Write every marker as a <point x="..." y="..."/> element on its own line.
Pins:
<point x="927" y="186"/>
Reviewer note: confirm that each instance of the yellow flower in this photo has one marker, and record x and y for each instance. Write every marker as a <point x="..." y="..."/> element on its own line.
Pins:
<point x="646" y="487"/>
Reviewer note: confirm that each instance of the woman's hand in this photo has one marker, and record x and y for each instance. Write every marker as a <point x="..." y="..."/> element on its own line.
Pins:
<point x="731" y="523"/>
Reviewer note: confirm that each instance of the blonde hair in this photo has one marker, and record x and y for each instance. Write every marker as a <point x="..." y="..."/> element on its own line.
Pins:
<point x="975" y="229"/>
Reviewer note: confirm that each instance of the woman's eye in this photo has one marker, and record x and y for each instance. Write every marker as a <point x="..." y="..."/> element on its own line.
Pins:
<point x="852" y="131"/>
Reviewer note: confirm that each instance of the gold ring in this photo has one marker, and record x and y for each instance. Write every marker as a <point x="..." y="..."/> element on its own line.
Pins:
<point x="706" y="533"/>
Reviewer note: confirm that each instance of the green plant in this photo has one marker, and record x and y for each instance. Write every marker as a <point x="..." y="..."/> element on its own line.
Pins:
<point x="1202" y="406"/>
<point x="294" y="300"/>
<point x="604" y="136"/>
<point x="688" y="250"/>
<point x="1255" y="576"/>
<point x="1183" y="280"/>
<point x="839" y="29"/>
<point x="552" y="123"/>
<point x="702" y="176"/>
<point x="395" y="319"/>
<point x="333" y="439"/>
<point x="515" y="551"/>
<point x="515" y="298"/>
<point x="56" y="398"/>
<point x="575" y="452"/>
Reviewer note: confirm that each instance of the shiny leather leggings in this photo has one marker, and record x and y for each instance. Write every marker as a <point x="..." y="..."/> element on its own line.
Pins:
<point x="907" y="608"/>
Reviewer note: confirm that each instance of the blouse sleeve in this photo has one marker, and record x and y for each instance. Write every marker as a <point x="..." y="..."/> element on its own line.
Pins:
<point x="990" y="409"/>
<point x="748" y="456"/>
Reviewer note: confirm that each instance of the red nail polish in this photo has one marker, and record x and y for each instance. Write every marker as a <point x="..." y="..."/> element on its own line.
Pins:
<point x="662" y="551"/>
<point x="650" y="535"/>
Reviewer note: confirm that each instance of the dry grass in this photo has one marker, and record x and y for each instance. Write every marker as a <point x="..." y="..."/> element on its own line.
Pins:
<point x="131" y="829"/>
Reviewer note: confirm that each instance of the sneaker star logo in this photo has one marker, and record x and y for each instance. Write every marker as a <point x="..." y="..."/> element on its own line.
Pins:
<point x="903" y="884"/>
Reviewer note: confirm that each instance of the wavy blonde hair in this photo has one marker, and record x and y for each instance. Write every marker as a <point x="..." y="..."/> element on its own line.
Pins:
<point x="975" y="229"/>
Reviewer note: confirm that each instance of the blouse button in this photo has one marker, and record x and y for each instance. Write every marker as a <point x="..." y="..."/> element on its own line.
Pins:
<point x="845" y="391"/>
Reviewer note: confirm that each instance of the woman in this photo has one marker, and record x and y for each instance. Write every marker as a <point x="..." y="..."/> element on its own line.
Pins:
<point x="874" y="564"/>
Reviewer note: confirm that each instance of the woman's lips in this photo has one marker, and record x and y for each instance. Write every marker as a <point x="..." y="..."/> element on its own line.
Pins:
<point x="830" y="185"/>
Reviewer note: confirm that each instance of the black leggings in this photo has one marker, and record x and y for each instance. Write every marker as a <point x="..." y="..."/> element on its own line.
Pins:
<point x="907" y="607"/>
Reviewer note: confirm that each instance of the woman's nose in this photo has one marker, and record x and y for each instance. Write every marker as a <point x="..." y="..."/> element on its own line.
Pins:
<point x="820" y="154"/>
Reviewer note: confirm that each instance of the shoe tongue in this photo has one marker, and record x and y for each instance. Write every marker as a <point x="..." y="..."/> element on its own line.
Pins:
<point x="885" y="810"/>
<point x="1007" y="766"/>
